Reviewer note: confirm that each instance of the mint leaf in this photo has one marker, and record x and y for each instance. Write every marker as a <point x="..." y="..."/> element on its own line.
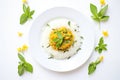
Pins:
<point x="59" y="43"/>
<point x="103" y="11"/>
<point x="32" y="12"/>
<point x="101" y="41"/>
<point x="21" y="57"/>
<point x="24" y="8"/>
<point x="28" y="67"/>
<point x="23" y="18"/>
<point x="20" y="70"/>
<point x="93" y="9"/>
<point x="91" y="68"/>
<point x="55" y="39"/>
<point x="59" y="34"/>
<point x="27" y="11"/>
<point x="104" y="18"/>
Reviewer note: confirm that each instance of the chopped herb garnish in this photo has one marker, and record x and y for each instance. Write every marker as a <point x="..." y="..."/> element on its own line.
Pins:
<point x="81" y="37"/>
<point x="75" y="30"/>
<point x="51" y="56"/>
<point x="69" y="23"/>
<point x="78" y="49"/>
<point x="69" y="57"/>
<point x="74" y="42"/>
<point x="48" y="25"/>
<point x="65" y="51"/>
<point x="81" y="42"/>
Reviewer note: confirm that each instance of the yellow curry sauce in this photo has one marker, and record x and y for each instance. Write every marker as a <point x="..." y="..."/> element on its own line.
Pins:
<point x="61" y="38"/>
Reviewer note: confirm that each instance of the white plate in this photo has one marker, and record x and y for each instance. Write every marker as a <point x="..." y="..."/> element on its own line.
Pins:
<point x="68" y="64"/>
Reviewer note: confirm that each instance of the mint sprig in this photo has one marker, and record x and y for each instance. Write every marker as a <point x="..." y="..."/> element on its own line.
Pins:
<point x="99" y="15"/>
<point x="23" y="65"/>
<point x="101" y="46"/>
<point x="26" y="15"/>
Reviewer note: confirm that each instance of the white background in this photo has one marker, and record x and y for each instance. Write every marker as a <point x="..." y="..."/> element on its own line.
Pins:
<point x="10" y="11"/>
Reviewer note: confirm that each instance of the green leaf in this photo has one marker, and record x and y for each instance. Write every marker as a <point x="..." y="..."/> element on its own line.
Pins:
<point x="21" y="57"/>
<point x="101" y="41"/>
<point x="103" y="11"/>
<point x="20" y="70"/>
<point x="105" y="45"/>
<point x="59" y="34"/>
<point x="104" y="48"/>
<point x="100" y="50"/>
<point x="91" y="68"/>
<point x="59" y="43"/>
<point x="28" y="67"/>
<point x="93" y="9"/>
<point x="104" y="18"/>
<point x="27" y="11"/>
<point x="32" y="12"/>
<point x="23" y="18"/>
<point x="97" y="61"/>
<point x="55" y="39"/>
<point x="96" y="48"/>
<point x="24" y="8"/>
